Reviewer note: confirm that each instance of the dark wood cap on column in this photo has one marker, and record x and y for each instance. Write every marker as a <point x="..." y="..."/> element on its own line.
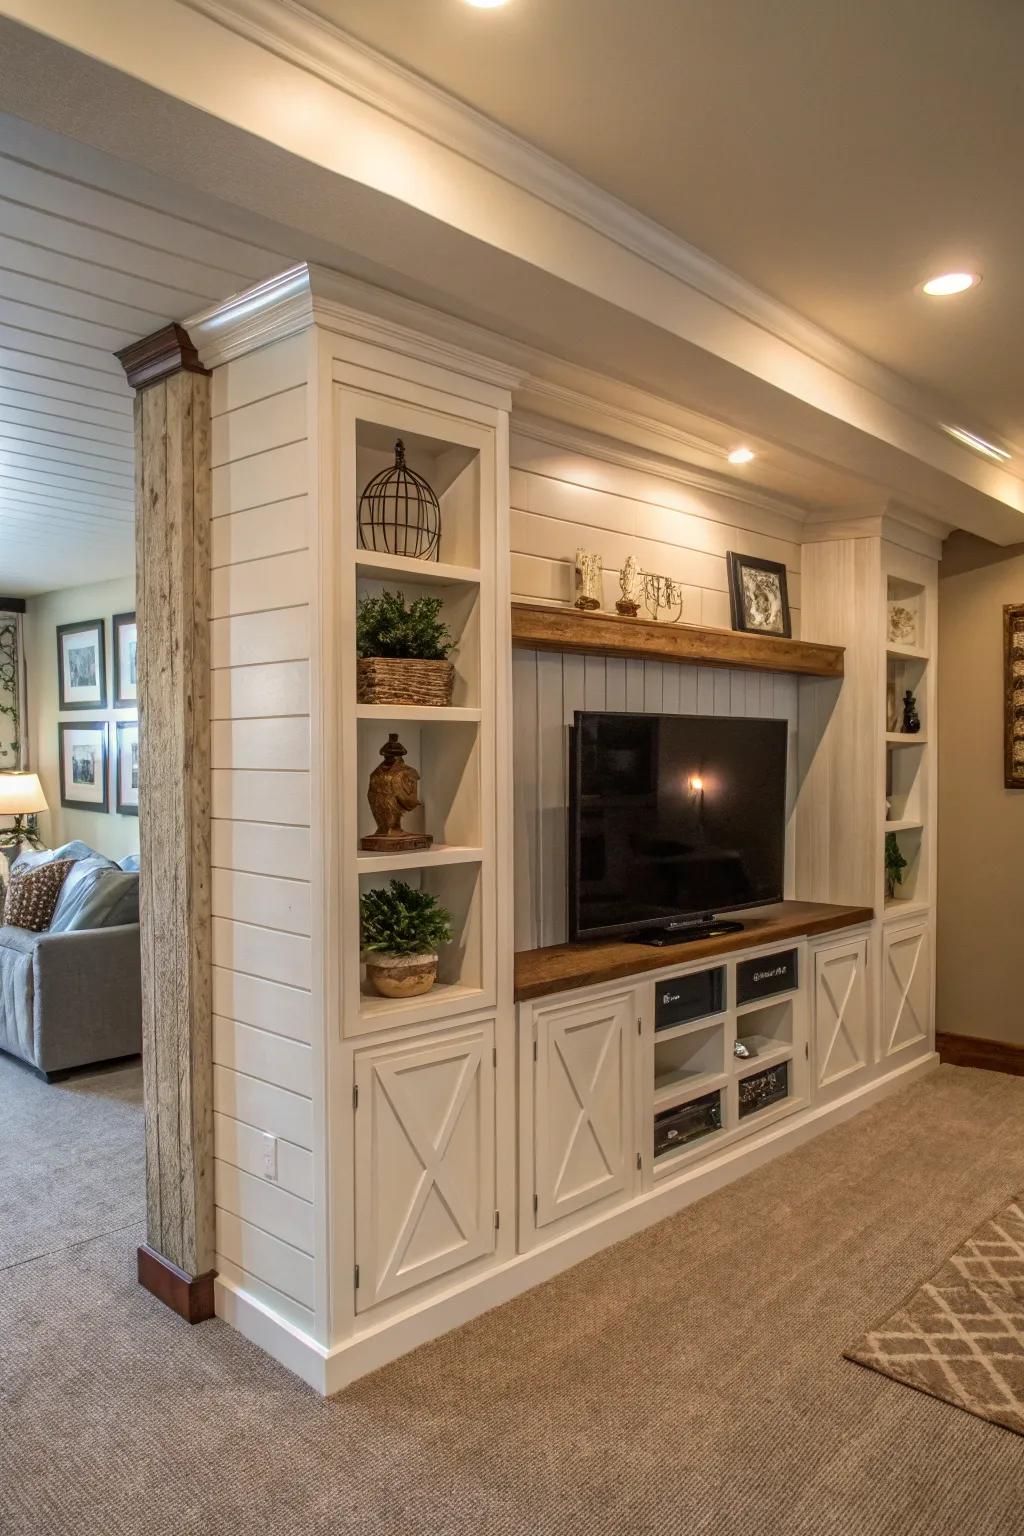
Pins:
<point x="158" y="356"/>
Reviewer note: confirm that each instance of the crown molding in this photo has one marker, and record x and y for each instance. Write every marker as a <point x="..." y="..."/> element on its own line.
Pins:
<point x="295" y="34"/>
<point x="594" y="444"/>
<point x="160" y="355"/>
<point x="307" y="295"/>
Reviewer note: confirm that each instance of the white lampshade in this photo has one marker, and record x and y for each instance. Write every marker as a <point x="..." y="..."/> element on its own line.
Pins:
<point x="21" y="794"/>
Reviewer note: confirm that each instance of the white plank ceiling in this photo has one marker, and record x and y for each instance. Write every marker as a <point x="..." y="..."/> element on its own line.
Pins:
<point x="93" y="255"/>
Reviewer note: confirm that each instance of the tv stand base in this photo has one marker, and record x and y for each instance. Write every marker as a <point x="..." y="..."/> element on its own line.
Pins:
<point x="660" y="937"/>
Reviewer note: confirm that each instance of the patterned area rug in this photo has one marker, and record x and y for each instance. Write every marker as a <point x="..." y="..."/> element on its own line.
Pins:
<point x="960" y="1336"/>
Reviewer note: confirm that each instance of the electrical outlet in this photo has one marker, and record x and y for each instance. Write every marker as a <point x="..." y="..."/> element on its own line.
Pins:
<point x="270" y="1158"/>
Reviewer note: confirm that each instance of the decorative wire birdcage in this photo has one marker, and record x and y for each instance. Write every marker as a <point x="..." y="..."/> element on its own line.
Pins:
<point x="399" y="513"/>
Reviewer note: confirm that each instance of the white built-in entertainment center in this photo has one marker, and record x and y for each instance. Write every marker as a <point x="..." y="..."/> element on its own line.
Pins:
<point x="386" y="1169"/>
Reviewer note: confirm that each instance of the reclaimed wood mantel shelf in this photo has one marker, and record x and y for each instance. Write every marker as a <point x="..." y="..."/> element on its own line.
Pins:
<point x="543" y="627"/>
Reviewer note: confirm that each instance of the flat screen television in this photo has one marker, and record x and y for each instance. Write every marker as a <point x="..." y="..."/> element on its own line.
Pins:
<point x="673" y="818"/>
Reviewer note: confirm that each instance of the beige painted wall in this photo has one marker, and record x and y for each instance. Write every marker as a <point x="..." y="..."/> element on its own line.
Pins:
<point x="981" y="824"/>
<point x="112" y="834"/>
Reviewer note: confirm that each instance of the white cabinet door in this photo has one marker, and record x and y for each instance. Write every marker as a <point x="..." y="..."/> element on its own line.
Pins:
<point x="906" y="988"/>
<point x="842" y="1016"/>
<point x="425" y="1159"/>
<point x="583" y="1104"/>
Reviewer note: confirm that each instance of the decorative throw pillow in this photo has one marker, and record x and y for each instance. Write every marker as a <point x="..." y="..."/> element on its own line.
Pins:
<point x="32" y="897"/>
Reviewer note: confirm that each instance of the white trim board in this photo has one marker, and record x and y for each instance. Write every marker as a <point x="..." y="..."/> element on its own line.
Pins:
<point x="330" y="1370"/>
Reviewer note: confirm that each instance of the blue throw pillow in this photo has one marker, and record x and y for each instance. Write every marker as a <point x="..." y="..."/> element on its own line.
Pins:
<point x="96" y="894"/>
<point x="131" y="862"/>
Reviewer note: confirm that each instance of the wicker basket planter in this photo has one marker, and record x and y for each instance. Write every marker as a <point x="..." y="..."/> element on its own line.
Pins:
<point x="401" y="975"/>
<point x="403" y="680"/>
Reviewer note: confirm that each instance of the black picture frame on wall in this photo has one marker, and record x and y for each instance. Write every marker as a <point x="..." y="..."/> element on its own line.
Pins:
<point x="83" y="756"/>
<point x="758" y="596"/>
<point x="82" y="665"/>
<point x="124" y="639"/>
<point x="126" y="770"/>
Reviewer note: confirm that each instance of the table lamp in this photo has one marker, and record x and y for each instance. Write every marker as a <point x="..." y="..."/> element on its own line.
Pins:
<point x="21" y="797"/>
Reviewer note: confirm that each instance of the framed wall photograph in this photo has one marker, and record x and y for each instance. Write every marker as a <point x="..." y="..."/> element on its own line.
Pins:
<point x="1013" y="695"/>
<point x="758" y="598"/>
<point x="82" y="665"/>
<point x="126" y="775"/>
<point x="82" y="750"/>
<point x="126" y="637"/>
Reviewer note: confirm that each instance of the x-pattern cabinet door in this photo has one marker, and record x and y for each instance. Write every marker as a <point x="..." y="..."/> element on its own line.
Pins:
<point x="583" y="1104"/>
<point x="842" y="1016"/>
<point x="906" y="988"/>
<point x="425" y="1160"/>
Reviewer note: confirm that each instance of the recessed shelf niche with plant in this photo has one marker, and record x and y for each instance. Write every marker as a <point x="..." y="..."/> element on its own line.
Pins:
<point x="422" y="571"/>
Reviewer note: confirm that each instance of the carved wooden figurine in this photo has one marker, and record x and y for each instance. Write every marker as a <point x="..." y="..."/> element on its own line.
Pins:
<point x="392" y="793"/>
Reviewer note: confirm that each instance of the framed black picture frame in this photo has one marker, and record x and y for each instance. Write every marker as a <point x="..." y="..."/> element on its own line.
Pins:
<point x="758" y="596"/>
<point x="124" y="639"/>
<point x="83" y="754"/>
<point x="82" y="665"/>
<point x="126" y="768"/>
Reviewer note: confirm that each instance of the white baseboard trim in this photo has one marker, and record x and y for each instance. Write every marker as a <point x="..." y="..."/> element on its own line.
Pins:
<point x="330" y="1370"/>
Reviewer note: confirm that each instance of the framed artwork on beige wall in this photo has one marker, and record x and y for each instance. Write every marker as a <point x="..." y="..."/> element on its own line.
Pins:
<point x="82" y="751"/>
<point x="126" y="774"/>
<point x="82" y="665"/>
<point x="126" y="634"/>
<point x="1013" y="695"/>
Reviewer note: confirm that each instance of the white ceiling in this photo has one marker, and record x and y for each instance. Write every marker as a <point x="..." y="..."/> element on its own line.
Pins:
<point x="833" y="154"/>
<point x="85" y="269"/>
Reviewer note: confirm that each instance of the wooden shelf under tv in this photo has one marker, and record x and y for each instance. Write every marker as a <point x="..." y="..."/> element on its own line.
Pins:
<point x="562" y="967"/>
<point x="545" y="627"/>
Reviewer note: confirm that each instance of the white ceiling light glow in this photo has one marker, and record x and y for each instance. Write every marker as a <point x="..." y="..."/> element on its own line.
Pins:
<point x="741" y="456"/>
<point x="948" y="283"/>
<point x="979" y="444"/>
<point x="486" y="5"/>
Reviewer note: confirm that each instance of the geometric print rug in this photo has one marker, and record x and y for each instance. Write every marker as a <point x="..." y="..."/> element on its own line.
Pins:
<point x="960" y="1336"/>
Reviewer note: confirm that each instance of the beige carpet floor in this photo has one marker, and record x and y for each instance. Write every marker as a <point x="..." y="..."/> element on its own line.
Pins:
<point x="689" y="1381"/>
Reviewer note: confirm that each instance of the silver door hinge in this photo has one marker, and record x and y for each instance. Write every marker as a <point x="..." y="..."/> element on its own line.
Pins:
<point x="355" y="1096"/>
<point x="356" y="1276"/>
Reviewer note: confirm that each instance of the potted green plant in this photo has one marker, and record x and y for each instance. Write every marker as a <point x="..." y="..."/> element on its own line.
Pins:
<point x="403" y="651"/>
<point x="401" y="930"/>
<point x="895" y="864"/>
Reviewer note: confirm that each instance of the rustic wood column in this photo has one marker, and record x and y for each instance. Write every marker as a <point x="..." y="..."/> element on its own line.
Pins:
<point x="172" y="514"/>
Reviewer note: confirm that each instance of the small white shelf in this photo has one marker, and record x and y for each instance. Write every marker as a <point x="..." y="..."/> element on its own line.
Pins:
<point x="905" y="824"/>
<point x="422" y="712"/>
<point x="905" y="739"/>
<point x="758" y="1003"/>
<point x="904" y="906"/>
<point x="750" y="1066"/>
<point x="410" y="1010"/>
<point x="905" y="652"/>
<point x="418" y="858"/>
<point x="686" y="1086"/>
<point x="381" y="567"/>
<point x="691" y="1027"/>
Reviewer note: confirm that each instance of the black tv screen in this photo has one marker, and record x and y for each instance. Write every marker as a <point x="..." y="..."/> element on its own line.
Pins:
<point x="673" y="817"/>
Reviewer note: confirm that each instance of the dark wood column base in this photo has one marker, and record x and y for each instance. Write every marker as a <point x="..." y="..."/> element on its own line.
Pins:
<point x="190" y="1296"/>
<point x="970" y="1051"/>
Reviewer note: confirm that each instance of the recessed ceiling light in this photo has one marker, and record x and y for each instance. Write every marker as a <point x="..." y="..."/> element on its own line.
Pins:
<point x="948" y="283"/>
<point x="979" y="444"/>
<point x="486" y="5"/>
<point x="742" y="456"/>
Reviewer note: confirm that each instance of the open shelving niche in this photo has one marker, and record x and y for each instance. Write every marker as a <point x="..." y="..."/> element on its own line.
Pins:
<point x="695" y="1060"/>
<point x="452" y="747"/>
<point x="905" y="806"/>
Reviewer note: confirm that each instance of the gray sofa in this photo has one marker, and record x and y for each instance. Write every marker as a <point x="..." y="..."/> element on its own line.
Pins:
<point x="71" y="996"/>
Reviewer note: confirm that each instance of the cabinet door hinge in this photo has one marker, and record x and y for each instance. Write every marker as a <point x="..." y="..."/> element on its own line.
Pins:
<point x="536" y="1203"/>
<point x="355" y="1276"/>
<point x="639" y="1027"/>
<point x="497" y="1220"/>
<point x="807" y="1050"/>
<point x="355" y="1096"/>
<point x="535" y="1050"/>
<point x="494" y="1055"/>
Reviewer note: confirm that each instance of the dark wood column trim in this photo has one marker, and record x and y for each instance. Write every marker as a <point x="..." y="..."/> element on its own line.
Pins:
<point x="158" y="356"/>
<point x="190" y="1296"/>
<point x="12" y="605"/>
<point x="972" y="1051"/>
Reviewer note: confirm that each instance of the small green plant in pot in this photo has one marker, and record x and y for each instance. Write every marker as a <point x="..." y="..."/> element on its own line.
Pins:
<point x="401" y="930"/>
<point x="895" y="864"/>
<point x="403" y="651"/>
